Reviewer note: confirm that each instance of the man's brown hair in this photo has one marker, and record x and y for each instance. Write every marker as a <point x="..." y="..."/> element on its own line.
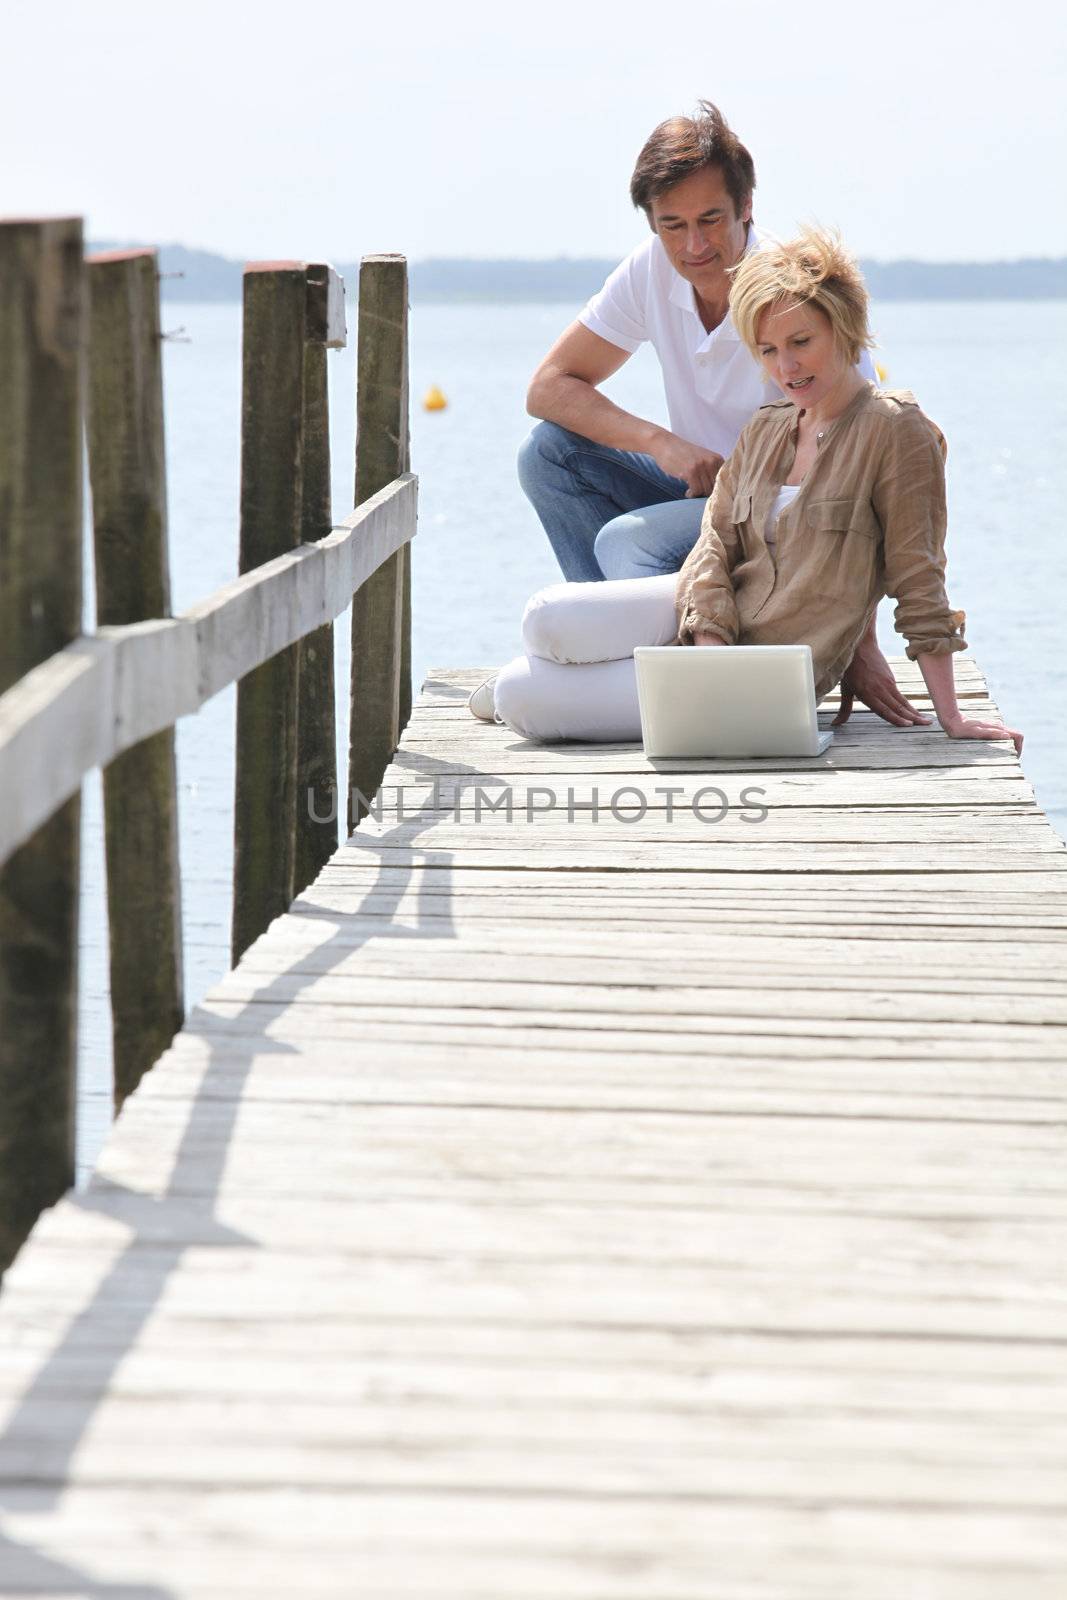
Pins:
<point x="683" y="145"/>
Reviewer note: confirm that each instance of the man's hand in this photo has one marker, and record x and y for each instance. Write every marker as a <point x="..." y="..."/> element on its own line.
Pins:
<point x="870" y="678"/>
<point x="696" y="466"/>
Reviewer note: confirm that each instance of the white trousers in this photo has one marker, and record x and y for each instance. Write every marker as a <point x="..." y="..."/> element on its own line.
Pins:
<point x="577" y="679"/>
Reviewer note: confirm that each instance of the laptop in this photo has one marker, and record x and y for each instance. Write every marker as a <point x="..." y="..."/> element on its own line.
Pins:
<point x="740" y="700"/>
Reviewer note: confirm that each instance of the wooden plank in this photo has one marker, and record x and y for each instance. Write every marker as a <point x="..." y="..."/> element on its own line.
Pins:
<point x="658" y="1034"/>
<point x="572" y="917"/>
<point x="365" y="983"/>
<point x="863" y="792"/>
<point x="816" y="859"/>
<point x="457" y="682"/>
<point x="490" y="1543"/>
<point x="929" y="780"/>
<point x="748" y="1384"/>
<point x="957" y="866"/>
<point x="256" y="616"/>
<point x="530" y="1449"/>
<point x="633" y="961"/>
<point x="911" y="748"/>
<point x="923" y="1299"/>
<point x="228" y="1069"/>
<point x="304" y="939"/>
<point x="91" y="701"/>
<point x="545" y="814"/>
<point x="965" y="1249"/>
<point x="499" y="1346"/>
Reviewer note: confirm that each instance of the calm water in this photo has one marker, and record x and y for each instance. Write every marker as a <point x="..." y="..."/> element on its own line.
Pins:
<point x="990" y="375"/>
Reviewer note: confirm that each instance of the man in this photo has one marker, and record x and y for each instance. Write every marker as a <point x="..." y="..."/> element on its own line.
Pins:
<point x="621" y="497"/>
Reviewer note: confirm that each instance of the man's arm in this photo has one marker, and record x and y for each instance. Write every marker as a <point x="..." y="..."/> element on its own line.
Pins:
<point x="564" y="390"/>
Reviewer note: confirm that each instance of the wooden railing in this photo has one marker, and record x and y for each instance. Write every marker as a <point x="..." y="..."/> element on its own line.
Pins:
<point x="80" y="355"/>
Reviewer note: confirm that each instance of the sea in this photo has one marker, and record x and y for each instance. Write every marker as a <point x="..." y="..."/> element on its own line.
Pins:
<point x="989" y="373"/>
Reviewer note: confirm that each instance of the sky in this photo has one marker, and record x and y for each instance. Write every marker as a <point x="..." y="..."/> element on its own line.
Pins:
<point x="933" y="130"/>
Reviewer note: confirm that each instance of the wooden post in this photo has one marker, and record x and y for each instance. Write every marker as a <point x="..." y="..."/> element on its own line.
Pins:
<point x="380" y="617"/>
<point x="128" y="476"/>
<point x="316" y="760"/>
<point x="272" y="410"/>
<point x="42" y="345"/>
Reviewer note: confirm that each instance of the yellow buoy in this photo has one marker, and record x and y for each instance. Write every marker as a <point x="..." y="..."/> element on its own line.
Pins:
<point x="434" y="400"/>
<point x="882" y="371"/>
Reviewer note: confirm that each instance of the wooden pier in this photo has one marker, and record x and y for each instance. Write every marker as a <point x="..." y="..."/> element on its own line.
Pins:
<point x="597" y="1183"/>
<point x="596" y="1210"/>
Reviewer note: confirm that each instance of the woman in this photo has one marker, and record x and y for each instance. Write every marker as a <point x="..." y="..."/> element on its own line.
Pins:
<point x="833" y="497"/>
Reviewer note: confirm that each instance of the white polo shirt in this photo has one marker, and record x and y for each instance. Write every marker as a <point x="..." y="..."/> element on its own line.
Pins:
<point x="712" y="384"/>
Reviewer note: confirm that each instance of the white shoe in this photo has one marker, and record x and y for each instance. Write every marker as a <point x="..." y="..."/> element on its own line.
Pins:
<point x="481" y="703"/>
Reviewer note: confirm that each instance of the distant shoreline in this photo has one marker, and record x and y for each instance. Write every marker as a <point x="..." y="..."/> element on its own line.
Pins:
<point x="206" y="277"/>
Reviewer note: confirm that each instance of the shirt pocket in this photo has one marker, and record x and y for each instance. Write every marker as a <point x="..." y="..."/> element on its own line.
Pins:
<point x="842" y="549"/>
<point x="749" y="545"/>
<point x="843" y="516"/>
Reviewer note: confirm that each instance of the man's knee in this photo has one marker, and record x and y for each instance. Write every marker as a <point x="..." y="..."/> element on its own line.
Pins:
<point x="619" y="548"/>
<point x="546" y="444"/>
<point x="652" y="540"/>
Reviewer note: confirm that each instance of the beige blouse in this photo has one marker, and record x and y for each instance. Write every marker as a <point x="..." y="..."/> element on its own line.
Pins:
<point x="869" y="520"/>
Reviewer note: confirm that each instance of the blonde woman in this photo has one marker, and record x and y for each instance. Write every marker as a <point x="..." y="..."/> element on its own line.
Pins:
<point x="833" y="497"/>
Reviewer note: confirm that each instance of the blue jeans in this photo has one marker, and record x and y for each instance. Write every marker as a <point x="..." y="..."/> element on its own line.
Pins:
<point x="608" y="513"/>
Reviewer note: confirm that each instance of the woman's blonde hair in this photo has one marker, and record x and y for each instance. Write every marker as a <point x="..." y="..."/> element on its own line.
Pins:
<point x="813" y="269"/>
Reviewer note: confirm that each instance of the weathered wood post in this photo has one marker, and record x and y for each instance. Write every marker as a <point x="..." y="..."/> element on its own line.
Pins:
<point x="381" y="611"/>
<point x="42" y="347"/>
<point x="316" y="759"/>
<point x="272" y="513"/>
<point x="127" y="471"/>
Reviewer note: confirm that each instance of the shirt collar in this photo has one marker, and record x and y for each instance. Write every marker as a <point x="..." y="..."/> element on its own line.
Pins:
<point x="862" y="398"/>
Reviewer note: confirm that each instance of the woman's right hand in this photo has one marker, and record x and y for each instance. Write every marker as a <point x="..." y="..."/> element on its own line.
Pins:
<point x="707" y="638"/>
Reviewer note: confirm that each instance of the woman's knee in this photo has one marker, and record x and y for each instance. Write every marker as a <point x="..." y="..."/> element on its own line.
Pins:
<point x="551" y="624"/>
<point x="584" y="623"/>
<point x="516" y="698"/>
<point x="550" y="702"/>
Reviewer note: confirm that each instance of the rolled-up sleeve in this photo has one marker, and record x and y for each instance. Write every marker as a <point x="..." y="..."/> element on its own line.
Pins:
<point x="705" y="593"/>
<point x="909" y="500"/>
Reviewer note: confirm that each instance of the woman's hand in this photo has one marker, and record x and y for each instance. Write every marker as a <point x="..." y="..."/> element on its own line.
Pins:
<point x="960" y="728"/>
<point x="708" y="638"/>
<point x="938" y="672"/>
<point x="869" y="678"/>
